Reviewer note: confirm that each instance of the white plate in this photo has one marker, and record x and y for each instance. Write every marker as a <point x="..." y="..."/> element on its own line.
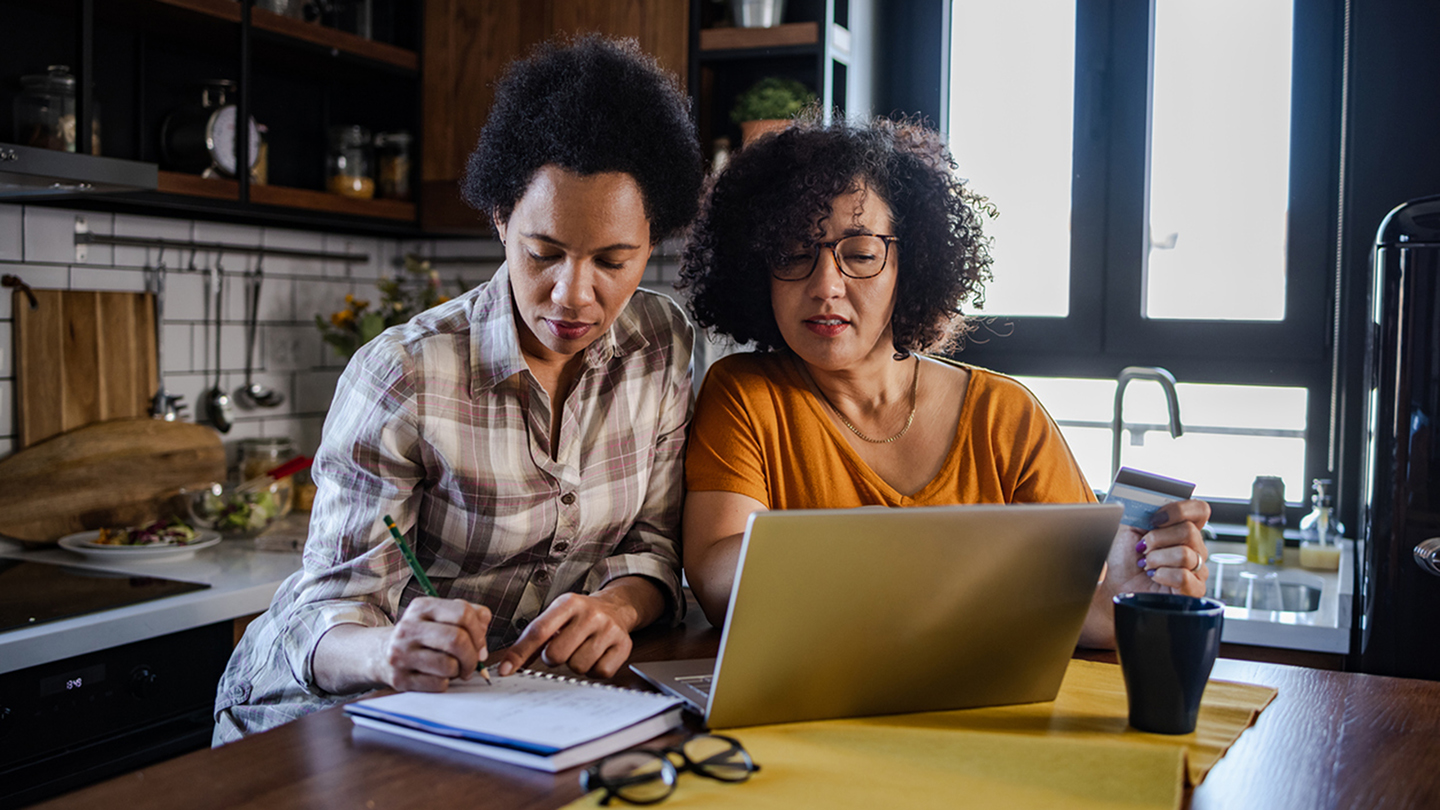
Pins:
<point x="84" y="543"/>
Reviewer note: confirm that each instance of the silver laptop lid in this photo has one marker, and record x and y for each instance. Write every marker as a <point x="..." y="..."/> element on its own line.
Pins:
<point x="852" y="612"/>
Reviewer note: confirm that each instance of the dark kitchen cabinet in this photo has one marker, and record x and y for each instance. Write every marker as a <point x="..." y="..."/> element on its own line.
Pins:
<point x="137" y="61"/>
<point x="467" y="44"/>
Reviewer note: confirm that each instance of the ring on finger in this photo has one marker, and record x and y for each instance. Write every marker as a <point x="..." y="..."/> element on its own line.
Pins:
<point x="1199" y="561"/>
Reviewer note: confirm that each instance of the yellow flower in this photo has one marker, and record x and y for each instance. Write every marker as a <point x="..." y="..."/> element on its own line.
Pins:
<point x="343" y="318"/>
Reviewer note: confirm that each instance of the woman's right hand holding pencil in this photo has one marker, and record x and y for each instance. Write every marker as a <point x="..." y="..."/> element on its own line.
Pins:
<point x="434" y="641"/>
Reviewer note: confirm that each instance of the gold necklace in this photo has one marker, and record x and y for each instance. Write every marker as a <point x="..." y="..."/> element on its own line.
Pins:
<point x="914" y="404"/>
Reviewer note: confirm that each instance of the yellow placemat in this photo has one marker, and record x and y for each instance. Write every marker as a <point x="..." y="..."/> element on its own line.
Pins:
<point x="1075" y="752"/>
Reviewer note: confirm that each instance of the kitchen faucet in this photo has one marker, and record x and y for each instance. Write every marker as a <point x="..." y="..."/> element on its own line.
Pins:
<point x="1167" y="382"/>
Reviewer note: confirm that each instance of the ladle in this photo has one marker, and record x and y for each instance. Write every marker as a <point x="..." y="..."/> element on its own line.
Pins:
<point x="217" y="402"/>
<point x="253" y="395"/>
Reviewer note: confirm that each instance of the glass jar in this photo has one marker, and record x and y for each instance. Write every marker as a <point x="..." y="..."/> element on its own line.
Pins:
<point x="348" y="163"/>
<point x="393" y="151"/>
<point x="45" y="112"/>
<point x="259" y="456"/>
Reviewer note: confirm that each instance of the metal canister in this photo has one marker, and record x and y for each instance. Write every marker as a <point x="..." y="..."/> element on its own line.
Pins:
<point x="1265" y="536"/>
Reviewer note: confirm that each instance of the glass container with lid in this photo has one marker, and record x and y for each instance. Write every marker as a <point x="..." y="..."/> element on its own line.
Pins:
<point x="394" y="156"/>
<point x="347" y="166"/>
<point x="259" y="456"/>
<point x="45" y="112"/>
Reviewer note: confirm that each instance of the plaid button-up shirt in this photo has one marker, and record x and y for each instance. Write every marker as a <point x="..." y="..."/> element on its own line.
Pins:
<point x="440" y="424"/>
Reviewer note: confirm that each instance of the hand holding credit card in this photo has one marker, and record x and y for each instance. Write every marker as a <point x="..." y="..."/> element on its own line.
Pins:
<point x="1142" y="493"/>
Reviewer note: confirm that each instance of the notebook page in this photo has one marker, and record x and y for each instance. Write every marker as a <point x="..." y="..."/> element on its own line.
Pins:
<point x="525" y="708"/>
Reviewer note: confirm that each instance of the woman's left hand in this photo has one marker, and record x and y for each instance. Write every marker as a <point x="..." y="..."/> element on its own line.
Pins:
<point x="1169" y="558"/>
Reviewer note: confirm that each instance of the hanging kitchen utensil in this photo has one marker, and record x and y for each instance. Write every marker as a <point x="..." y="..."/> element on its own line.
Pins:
<point x="163" y="405"/>
<point x="253" y="395"/>
<point x="217" y="402"/>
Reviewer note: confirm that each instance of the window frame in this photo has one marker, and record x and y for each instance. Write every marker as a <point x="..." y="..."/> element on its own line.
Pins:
<point x="1104" y="330"/>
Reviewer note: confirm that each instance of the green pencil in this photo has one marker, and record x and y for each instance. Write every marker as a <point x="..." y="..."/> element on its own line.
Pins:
<point x="420" y="574"/>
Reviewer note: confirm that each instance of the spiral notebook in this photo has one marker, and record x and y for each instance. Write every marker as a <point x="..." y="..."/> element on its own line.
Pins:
<point x="538" y="720"/>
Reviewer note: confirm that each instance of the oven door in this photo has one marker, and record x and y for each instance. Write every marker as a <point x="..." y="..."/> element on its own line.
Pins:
<point x="73" y="722"/>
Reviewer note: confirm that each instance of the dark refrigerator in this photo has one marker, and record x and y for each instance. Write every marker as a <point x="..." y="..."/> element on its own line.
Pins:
<point x="1399" y="591"/>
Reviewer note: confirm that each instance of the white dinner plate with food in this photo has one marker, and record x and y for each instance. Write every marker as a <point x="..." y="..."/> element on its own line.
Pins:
<point x="84" y="543"/>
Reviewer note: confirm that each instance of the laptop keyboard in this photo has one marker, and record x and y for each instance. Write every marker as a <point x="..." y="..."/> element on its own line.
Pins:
<point x="700" y="683"/>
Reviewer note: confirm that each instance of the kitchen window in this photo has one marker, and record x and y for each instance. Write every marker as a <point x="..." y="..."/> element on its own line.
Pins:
<point x="1165" y="175"/>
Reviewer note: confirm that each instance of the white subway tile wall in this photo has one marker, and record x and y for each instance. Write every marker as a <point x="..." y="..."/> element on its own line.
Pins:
<point x="38" y="245"/>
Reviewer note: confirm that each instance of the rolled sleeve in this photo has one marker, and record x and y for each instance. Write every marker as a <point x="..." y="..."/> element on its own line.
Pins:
<point x="367" y="466"/>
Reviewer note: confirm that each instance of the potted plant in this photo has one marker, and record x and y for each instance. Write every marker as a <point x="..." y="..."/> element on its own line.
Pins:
<point x="768" y="106"/>
<point x="401" y="298"/>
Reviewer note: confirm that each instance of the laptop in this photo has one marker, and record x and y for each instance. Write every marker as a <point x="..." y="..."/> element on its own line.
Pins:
<point x="854" y="612"/>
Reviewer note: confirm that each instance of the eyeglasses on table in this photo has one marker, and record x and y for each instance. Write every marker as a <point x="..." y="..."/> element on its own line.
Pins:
<point x="647" y="776"/>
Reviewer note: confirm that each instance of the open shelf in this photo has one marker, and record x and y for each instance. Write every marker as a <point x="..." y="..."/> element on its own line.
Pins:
<point x="192" y="185"/>
<point x="167" y="15"/>
<point x="780" y="36"/>
<point x="309" y="200"/>
<point x="334" y="40"/>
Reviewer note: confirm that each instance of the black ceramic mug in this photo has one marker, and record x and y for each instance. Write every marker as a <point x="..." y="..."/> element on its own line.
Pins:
<point x="1167" y="645"/>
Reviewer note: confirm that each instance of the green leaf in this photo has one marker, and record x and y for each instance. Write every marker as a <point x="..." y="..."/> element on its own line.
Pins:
<point x="371" y="325"/>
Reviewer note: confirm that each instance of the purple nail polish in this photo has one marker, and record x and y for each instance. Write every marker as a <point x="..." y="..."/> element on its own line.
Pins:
<point x="1141" y="562"/>
<point x="1150" y="574"/>
<point x="1140" y="547"/>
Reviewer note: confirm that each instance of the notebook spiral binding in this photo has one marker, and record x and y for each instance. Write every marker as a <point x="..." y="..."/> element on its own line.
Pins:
<point x="550" y="676"/>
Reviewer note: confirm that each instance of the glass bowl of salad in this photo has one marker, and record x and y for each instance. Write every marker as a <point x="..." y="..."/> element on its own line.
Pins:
<point x="235" y="513"/>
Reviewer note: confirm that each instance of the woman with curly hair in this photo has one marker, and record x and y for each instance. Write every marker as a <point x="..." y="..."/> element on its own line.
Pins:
<point x="527" y="436"/>
<point x="843" y="253"/>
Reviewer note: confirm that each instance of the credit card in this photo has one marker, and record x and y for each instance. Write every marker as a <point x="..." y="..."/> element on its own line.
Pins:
<point x="1142" y="493"/>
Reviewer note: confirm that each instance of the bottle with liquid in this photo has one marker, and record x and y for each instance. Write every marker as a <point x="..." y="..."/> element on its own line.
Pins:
<point x="1265" y="535"/>
<point x="1320" y="532"/>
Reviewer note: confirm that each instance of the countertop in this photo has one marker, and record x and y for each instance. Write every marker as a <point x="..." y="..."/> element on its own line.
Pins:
<point x="242" y="581"/>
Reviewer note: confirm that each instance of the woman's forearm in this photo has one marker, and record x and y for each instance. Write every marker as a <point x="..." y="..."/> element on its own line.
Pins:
<point x="345" y="658"/>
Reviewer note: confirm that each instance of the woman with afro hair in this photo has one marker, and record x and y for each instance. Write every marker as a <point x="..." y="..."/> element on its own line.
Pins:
<point x="527" y="437"/>
<point x="842" y="253"/>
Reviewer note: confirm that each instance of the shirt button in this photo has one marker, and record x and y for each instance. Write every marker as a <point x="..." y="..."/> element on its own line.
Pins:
<point x="561" y="547"/>
<point x="542" y="576"/>
<point x="520" y="623"/>
<point x="568" y="498"/>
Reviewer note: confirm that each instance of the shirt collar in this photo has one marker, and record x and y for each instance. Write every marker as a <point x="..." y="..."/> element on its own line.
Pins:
<point x="495" y="339"/>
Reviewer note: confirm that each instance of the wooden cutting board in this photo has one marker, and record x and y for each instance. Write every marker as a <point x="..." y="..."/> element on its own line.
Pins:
<point x="80" y="357"/>
<point x="117" y="473"/>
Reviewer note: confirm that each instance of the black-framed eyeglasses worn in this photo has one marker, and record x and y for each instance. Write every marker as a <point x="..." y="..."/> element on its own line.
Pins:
<point x="857" y="256"/>
<point x="647" y="776"/>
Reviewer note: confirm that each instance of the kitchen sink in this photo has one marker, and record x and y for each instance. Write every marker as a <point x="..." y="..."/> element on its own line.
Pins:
<point x="1281" y="605"/>
<point x="1284" y="596"/>
<point x="1260" y="587"/>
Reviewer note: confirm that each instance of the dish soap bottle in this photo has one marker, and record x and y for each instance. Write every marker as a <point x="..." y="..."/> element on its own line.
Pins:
<point x="1265" y="535"/>
<point x="1319" y="531"/>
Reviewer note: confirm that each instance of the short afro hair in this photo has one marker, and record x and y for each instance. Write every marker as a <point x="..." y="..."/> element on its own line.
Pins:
<point x="589" y="105"/>
<point x="774" y="193"/>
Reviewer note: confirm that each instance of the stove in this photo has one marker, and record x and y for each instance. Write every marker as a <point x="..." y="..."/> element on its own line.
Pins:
<point x="33" y="592"/>
<point x="67" y="723"/>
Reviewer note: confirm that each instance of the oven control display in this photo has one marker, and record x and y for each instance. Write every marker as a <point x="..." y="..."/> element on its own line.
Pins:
<point x="72" y="682"/>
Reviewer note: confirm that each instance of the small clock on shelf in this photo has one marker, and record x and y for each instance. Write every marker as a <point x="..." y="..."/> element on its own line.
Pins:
<point x="201" y="139"/>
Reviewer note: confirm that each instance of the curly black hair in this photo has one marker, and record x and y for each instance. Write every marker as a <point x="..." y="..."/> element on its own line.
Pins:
<point x="589" y="105"/>
<point x="775" y="192"/>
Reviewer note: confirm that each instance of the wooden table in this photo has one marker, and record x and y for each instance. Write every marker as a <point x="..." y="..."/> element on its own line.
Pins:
<point x="1329" y="740"/>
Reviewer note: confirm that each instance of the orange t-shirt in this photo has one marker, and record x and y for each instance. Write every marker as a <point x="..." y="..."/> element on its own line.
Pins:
<point x="759" y="431"/>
